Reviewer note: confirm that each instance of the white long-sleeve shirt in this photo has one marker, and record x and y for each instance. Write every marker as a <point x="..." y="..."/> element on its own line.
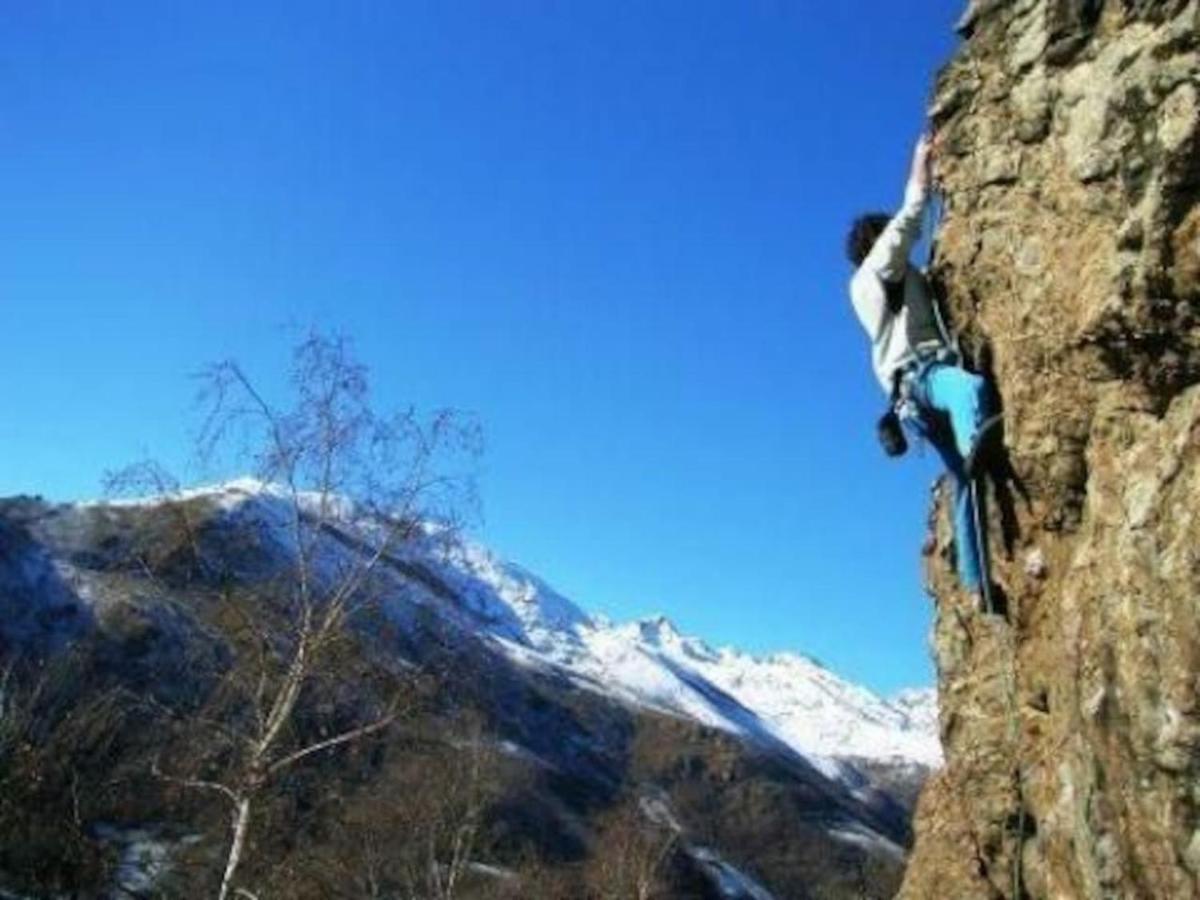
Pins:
<point x="888" y="261"/>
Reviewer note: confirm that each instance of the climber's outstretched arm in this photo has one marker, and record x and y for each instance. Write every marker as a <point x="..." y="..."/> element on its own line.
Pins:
<point x="888" y="258"/>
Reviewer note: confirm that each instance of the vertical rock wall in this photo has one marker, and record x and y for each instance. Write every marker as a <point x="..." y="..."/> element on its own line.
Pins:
<point x="1070" y="256"/>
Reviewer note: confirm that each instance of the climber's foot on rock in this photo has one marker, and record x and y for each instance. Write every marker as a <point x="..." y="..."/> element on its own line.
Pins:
<point x="985" y="439"/>
<point x="998" y="606"/>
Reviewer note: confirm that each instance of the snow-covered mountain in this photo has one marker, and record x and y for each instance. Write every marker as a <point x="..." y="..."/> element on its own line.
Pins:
<point x="726" y="748"/>
<point x="786" y="697"/>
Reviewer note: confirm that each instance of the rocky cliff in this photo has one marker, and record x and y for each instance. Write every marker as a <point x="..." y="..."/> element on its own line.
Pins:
<point x="1070" y="259"/>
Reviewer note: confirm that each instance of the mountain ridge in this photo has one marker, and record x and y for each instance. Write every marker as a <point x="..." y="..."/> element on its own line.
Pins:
<point x="592" y="713"/>
<point x="648" y="659"/>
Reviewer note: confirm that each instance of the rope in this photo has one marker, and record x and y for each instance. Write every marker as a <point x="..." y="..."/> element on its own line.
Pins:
<point x="1014" y="737"/>
<point x="1010" y="688"/>
<point x="981" y="547"/>
<point x="933" y="223"/>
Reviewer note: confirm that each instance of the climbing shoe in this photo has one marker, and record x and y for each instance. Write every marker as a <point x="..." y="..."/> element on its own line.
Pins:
<point x="994" y="601"/>
<point x="985" y="440"/>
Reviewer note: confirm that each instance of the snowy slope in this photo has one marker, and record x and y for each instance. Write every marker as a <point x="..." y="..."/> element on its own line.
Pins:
<point x="66" y="569"/>
<point x="785" y="697"/>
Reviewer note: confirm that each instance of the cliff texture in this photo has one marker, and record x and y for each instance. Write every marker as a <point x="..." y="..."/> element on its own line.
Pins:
<point x="1070" y="256"/>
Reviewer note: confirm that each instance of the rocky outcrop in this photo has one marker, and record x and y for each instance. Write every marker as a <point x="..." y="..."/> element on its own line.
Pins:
<point x="1070" y="255"/>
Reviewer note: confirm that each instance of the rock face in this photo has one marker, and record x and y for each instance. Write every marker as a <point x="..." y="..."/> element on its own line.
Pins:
<point x="1070" y="257"/>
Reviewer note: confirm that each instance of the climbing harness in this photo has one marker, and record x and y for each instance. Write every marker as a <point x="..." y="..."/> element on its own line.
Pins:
<point x="946" y="348"/>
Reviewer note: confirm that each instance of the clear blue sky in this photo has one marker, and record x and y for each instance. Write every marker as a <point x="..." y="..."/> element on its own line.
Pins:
<point x="612" y="230"/>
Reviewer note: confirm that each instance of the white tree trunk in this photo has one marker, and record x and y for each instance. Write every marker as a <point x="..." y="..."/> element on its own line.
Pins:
<point x="241" y="823"/>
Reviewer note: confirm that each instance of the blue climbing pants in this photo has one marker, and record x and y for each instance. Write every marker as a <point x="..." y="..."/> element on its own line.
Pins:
<point x="960" y="397"/>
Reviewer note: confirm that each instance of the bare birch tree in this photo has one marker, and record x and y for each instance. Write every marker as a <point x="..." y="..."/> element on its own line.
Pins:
<point x="420" y="832"/>
<point x="451" y="819"/>
<point x="346" y="493"/>
<point x="631" y="854"/>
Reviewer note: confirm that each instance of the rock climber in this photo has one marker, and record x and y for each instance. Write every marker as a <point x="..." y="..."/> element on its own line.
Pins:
<point x="915" y="360"/>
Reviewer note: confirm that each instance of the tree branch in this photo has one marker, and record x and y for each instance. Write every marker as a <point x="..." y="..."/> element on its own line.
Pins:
<point x="344" y="738"/>
<point x="195" y="783"/>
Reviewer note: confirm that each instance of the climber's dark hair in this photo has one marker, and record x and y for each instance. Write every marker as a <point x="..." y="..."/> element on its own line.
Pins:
<point x="864" y="232"/>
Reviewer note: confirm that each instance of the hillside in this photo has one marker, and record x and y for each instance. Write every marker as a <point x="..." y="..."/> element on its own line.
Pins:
<point x="775" y="777"/>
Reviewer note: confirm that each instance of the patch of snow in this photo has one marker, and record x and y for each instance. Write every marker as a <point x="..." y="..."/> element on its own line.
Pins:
<point x="144" y="857"/>
<point x="226" y="494"/>
<point x="920" y="705"/>
<point x="492" y="871"/>
<point x="732" y="883"/>
<point x="516" y="751"/>
<point x="854" y="833"/>
<point x="658" y="810"/>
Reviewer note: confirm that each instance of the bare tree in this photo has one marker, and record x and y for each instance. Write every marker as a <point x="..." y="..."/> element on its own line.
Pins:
<point x="55" y="751"/>
<point x="427" y="845"/>
<point x="346" y="493"/>
<point x="630" y="854"/>
<point x="451" y="817"/>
